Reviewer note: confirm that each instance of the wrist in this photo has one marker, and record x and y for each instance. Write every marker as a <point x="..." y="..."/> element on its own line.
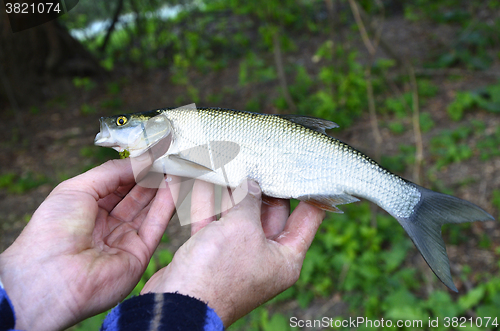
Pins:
<point x="34" y="305"/>
<point x="193" y="288"/>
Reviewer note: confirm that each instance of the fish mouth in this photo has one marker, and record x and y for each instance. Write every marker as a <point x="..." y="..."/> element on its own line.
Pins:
<point x="104" y="138"/>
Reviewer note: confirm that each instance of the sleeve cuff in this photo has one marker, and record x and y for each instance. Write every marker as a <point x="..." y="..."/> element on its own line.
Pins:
<point x="162" y="311"/>
<point x="7" y="316"/>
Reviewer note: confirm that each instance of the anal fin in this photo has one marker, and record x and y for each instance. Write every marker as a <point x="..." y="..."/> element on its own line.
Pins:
<point x="329" y="202"/>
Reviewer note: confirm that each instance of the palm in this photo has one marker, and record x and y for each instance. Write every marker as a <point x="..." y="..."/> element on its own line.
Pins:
<point x="91" y="243"/>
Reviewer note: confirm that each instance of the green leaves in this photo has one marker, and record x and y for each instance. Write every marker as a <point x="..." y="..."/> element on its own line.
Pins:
<point x="254" y="70"/>
<point x="463" y="101"/>
<point x="20" y="184"/>
<point x="342" y="93"/>
<point x="450" y="146"/>
<point x="471" y="299"/>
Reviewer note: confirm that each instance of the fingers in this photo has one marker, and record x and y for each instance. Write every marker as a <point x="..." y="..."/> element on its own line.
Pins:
<point x="133" y="203"/>
<point x="275" y="213"/>
<point x="202" y="205"/>
<point x="161" y="210"/>
<point x="109" y="202"/>
<point x="102" y="180"/>
<point x="301" y="228"/>
<point x="106" y="178"/>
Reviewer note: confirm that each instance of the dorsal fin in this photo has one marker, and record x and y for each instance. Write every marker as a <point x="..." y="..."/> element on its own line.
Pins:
<point x="313" y="123"/>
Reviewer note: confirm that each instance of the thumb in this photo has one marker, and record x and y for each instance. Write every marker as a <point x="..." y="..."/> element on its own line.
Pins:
<point x="301" y="228"/>
<point x="244" y="202"/>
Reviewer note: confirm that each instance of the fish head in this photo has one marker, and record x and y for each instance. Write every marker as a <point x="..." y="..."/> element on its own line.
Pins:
<point x="136" y="133"/>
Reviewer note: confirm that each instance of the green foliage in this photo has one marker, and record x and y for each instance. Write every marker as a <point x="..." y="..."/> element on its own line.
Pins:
<point x="7" y="179"/>
<point x="400" y="106"/>
<point x="16" y="184"/>
<point x="426" y="122"/>
<point x="342" y="95"/>
<point x="463" y="101"/>
<point x="84" y="83"/>
<point x="93" y="323"/>
<point x="488" y="145"/>
<point x="113" y="88"/>
<point x="496" y="199"/>
<point x="359" y="260"/>
<point x="463" y="55"/>
<point x="426" y="89"/>
<point x="487" y="98"/>
<point x="300" y="91"/>
<point x="255" y="70"/>
<point x="399" y="162"/>
<point x="456" y="234"/>
<point x="34" y="110"/>
<point x="397" y="127"/>
<point x="288" y="13"/>
<point x="86" y="109"/>
<point x="253" y="105"/>
<point x="451" y="146"/>
<point x="95" y="155"/>
<point x="475" y="39"/>
<point x="276" y="322"/>
<point x="112" y="103"/>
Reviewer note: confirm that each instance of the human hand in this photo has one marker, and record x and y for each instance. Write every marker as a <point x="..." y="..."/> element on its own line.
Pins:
<point x="249" y="256"/>
<point x="85" y="248"/>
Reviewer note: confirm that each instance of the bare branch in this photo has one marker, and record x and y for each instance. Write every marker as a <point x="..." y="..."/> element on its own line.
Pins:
<point x="278" y="58"/>
<point x="119" y="7"/>
<point x="369" y="86"/>
<point x="364" y="35"/>
<point x="419" y="153"/>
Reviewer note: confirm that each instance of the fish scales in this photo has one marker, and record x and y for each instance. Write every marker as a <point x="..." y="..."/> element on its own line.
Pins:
<point x="289" y="156"/>
<point x="291" y="161"/>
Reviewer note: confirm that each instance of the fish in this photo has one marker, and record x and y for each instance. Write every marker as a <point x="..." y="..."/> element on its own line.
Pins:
<point x="290" y="156"/>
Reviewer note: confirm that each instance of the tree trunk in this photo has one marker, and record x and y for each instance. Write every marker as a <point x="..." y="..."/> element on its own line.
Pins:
<point x="29" y="58"/>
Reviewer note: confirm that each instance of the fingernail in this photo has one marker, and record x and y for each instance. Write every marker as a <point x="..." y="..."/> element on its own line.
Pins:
<point x="253" y="187"/>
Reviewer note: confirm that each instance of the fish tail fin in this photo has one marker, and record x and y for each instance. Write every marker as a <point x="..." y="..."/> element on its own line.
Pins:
<point x="424" y="227"/>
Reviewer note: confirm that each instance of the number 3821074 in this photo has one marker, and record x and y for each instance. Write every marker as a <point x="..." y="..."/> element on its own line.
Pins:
<point x="32" y="8"/>
<point x="462" y="322"/>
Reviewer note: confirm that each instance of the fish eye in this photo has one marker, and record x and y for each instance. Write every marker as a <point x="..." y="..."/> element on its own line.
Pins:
<point x="121" y="120"/>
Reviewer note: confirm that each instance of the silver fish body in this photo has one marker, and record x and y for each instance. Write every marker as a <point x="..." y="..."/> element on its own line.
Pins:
<point x="289" y="160"/>
<point x="292" y="157"/>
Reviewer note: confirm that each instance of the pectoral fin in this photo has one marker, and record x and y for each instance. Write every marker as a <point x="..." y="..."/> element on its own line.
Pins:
<point x="188" y="164"/>
<point x="329" y="202"/>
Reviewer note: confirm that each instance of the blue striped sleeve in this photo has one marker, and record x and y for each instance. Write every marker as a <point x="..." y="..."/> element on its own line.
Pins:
<point x="7" y="316"/>
<point x="162" y="311"/>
